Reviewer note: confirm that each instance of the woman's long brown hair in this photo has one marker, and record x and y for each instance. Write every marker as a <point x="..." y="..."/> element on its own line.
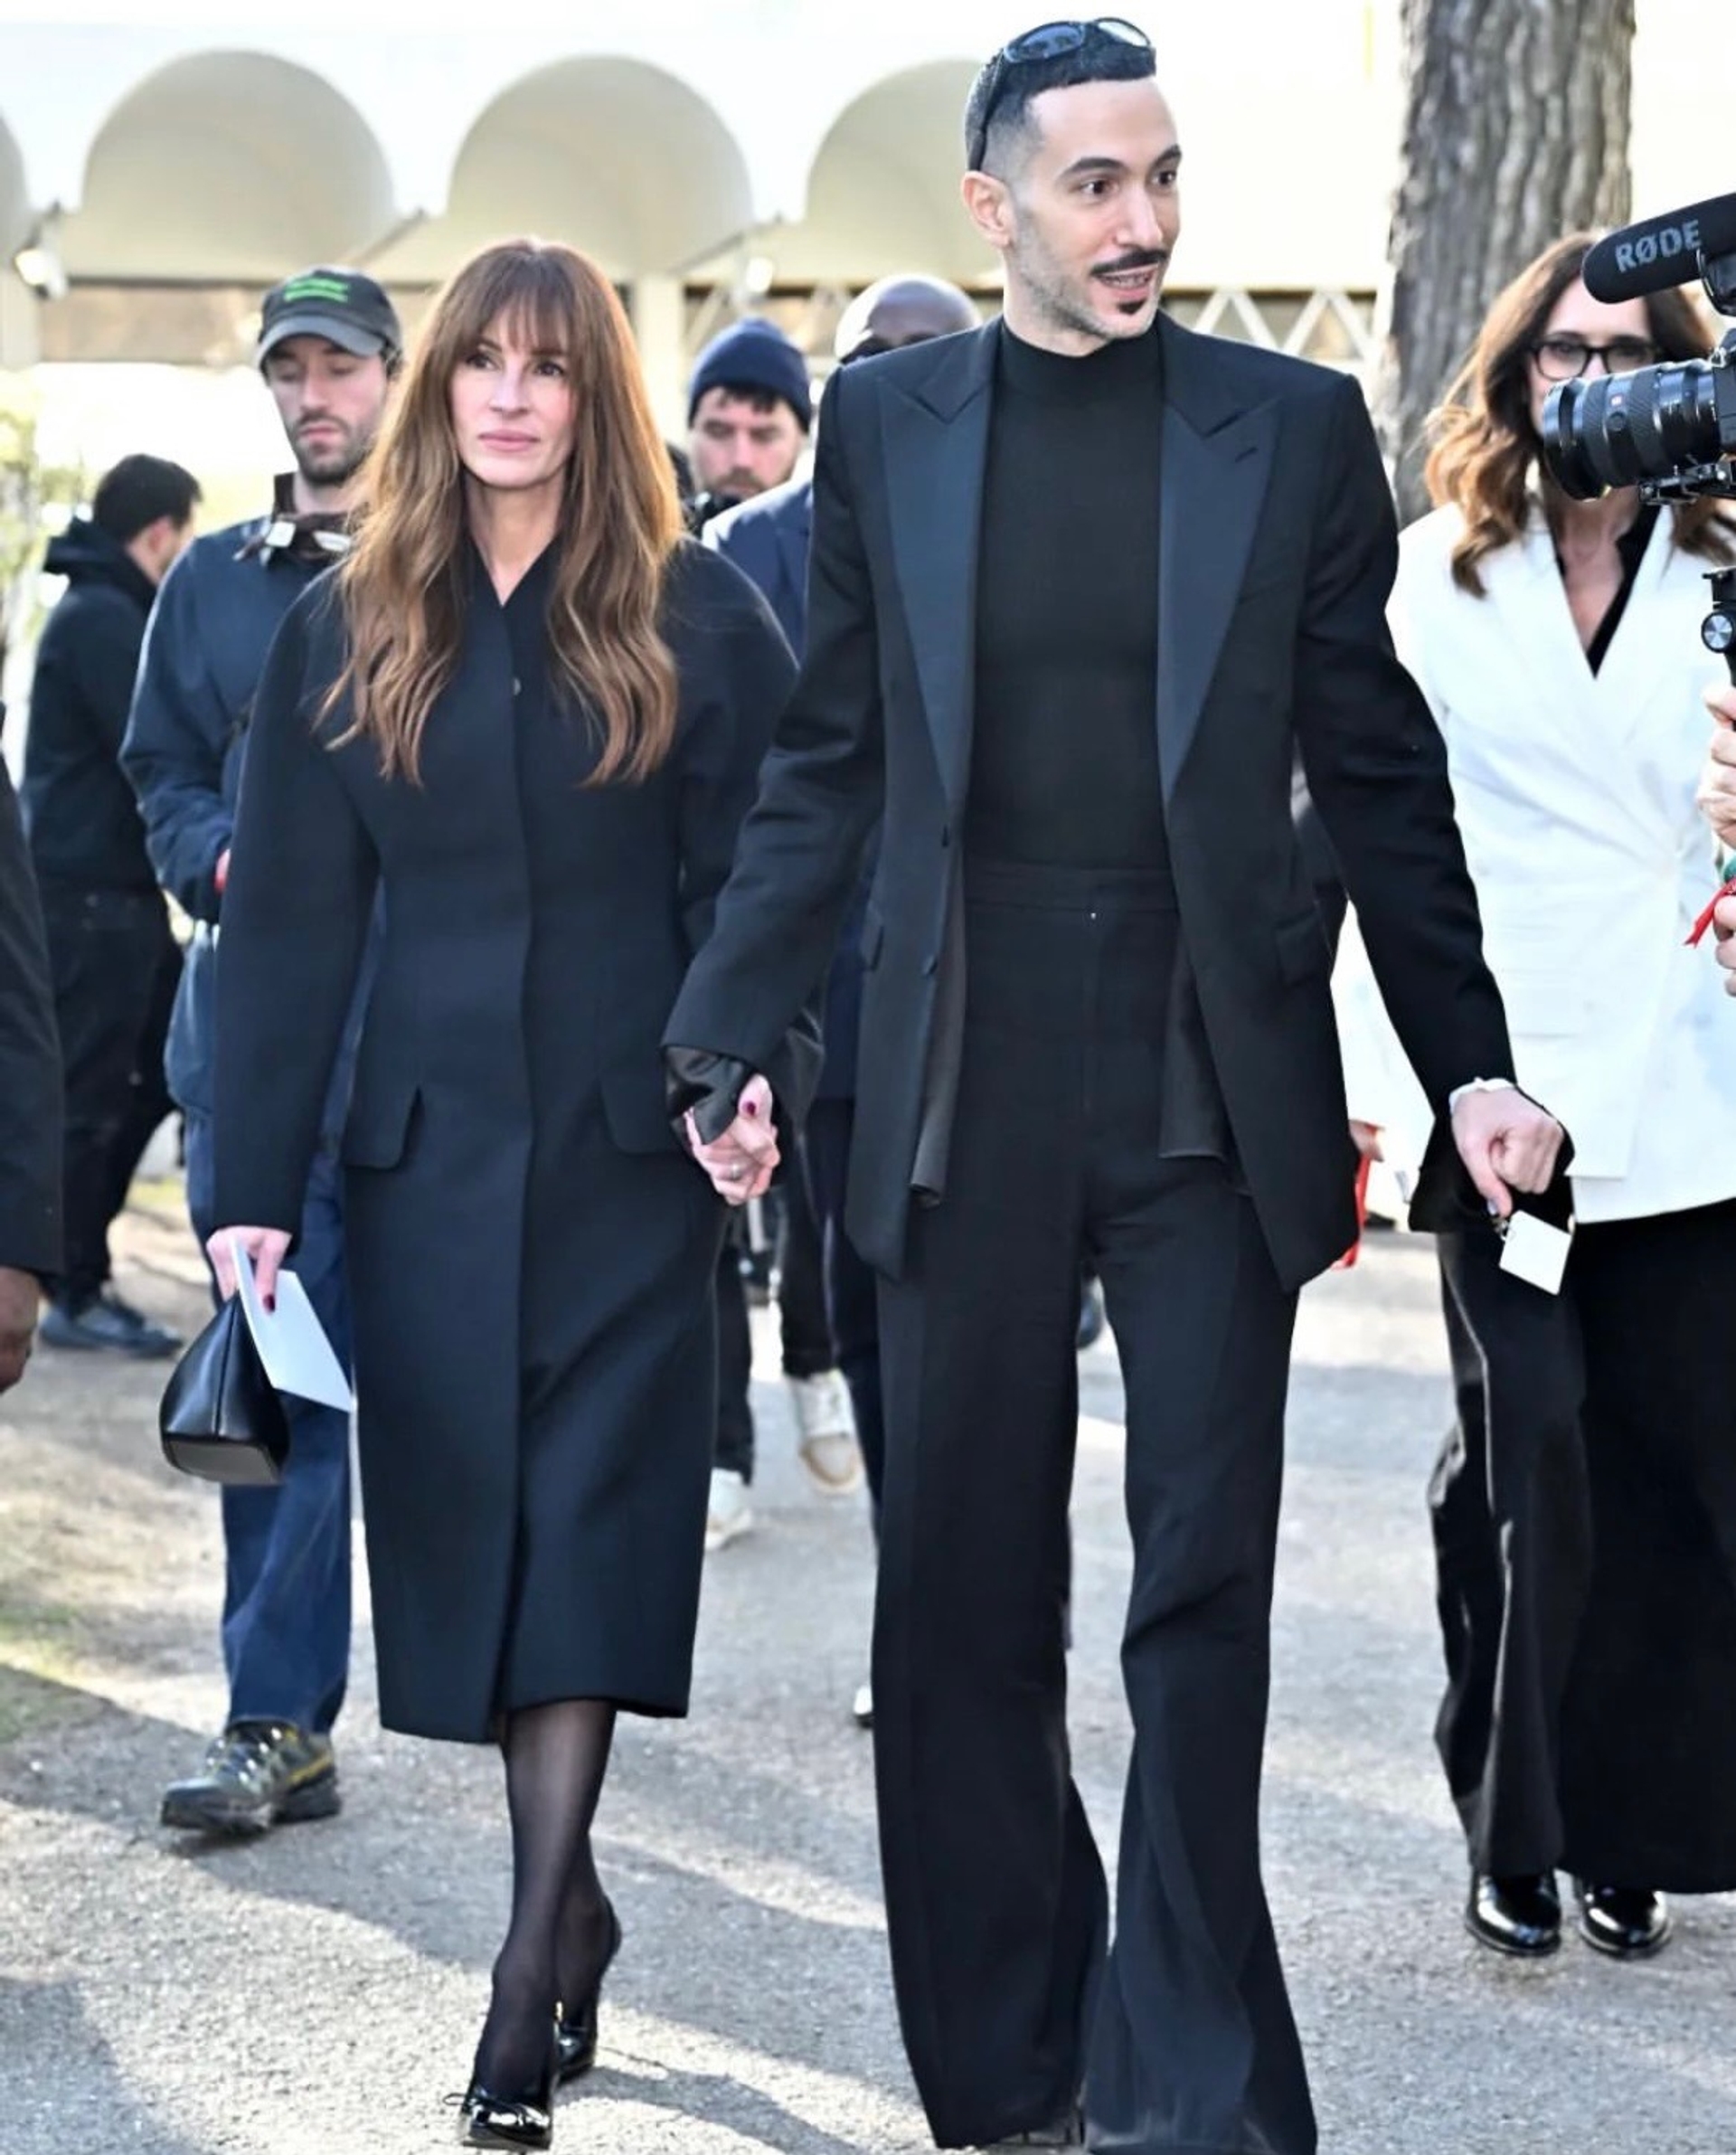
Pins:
<point x="1486" y="447"/>
<point x="404" y="586"/>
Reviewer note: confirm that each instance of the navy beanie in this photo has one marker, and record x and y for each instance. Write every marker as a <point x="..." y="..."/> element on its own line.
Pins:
<point x="753" y="353"/>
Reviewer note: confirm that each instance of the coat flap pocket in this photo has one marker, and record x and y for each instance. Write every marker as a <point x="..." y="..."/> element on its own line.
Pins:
<point x="377" y="1132"/>
<point x="633" y="1103"/>
<point x="1302" y="947"/>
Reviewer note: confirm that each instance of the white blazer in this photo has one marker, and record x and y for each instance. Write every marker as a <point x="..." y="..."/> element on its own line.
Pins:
<point x="1575" y="796"/>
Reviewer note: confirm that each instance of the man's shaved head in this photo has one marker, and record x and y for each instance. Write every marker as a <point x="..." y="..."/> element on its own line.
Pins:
<point x="902" y="310"/>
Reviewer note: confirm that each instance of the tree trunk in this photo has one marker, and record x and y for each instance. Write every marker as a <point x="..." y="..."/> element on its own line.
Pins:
<point x="1515" y="132"/>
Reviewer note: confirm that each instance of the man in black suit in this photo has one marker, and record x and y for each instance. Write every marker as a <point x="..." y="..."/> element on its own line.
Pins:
<point x="30" y="1100"/>
<point x="1082" y="584"/>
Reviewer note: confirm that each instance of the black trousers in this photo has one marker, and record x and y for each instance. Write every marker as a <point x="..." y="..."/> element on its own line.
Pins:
<point x="1584" y="1515"/>
<point x="116" y="966"/>
<point x="1181" y="2033"/>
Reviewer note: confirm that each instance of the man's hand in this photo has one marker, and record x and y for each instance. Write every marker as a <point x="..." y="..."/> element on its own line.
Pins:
<point x="19" y="1298"/>
<point x="740" y="1163"/>
<point x="1507" y="1143"/>
<point x="265" y="1246"/>
<point x="1717" y="794"/>
<point x="1723" y="921"/>
<point x="1366" y="1138"/>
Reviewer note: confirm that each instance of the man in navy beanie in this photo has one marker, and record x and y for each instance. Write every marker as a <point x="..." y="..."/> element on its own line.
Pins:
<point x="748" y="412"/>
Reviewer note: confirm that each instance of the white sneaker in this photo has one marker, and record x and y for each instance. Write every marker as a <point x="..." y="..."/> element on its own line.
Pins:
<point x="825" y="1432"/>
<point x="729" y="1515"/>
<point x="862" y="1707"/>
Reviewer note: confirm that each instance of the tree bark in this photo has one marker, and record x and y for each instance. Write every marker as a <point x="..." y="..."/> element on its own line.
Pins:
<point x="1515" y="132"/>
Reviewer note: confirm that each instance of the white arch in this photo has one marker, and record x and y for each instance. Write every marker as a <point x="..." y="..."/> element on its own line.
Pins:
<point x="228" y="166"/>
<point x="612" y="155"/>
<point x="882" y="192"/>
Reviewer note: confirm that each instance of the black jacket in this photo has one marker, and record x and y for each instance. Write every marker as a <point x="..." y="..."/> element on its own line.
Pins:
<point x="221" y="606"/>
<point x="1277" y="553"/>
<point x="80" y="811"/>
<point x="767" y="539"/>
<point x="29" y="1065"/>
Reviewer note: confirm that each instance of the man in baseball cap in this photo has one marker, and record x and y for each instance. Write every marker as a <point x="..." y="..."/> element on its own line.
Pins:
<point x="329" y="343"/>
<point x="342" y="306"/>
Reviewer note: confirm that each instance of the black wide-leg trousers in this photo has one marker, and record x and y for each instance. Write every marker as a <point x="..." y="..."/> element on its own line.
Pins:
<point x="1010" y="1995"/>
<point x="1584" y="1514"/>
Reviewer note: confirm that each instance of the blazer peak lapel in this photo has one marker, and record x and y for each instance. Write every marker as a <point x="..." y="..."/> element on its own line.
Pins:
<point x="936" y="436"/>
<point x="1213" y="487"/>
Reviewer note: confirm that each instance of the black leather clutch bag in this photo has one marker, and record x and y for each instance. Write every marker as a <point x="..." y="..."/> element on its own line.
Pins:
<point x="219" y="1418"/>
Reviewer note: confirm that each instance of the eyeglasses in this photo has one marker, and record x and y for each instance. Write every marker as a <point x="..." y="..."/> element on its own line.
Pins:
<point x="1049" y="41"/>
<point x="1566" y="358"/>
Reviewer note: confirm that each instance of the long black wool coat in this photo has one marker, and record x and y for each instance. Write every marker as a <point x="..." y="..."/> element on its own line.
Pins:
<point x="530" y="1252"/>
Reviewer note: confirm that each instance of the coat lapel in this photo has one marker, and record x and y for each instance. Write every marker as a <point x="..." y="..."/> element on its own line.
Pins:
<point x="1549" y="669"/>
<point x="937" y="446"/>
<point x="1217" y="457"/>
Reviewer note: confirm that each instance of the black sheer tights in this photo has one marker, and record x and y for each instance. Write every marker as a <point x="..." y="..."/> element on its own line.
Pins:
<point x="556" y="1756"/>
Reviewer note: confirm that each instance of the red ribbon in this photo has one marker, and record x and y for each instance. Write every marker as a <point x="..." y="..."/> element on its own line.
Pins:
<point x="1705" y="922"/>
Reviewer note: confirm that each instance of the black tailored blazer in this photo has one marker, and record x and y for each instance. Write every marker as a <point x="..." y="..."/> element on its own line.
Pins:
<point x="1278" y="549"/>
<point x="30" y="1064"/>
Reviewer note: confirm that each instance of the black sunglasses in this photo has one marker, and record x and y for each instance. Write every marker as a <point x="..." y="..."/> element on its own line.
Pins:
<point x="1049" y="41"/>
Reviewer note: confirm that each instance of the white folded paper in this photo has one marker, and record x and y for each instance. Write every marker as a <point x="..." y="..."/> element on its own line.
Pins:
<point x="1535" y="1252"/>
<point x="298" y="1357"/>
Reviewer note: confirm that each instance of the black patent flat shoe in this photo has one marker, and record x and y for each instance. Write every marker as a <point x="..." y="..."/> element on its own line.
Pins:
<point x="1520" y="1916"/>
<point x="1628" y="1922"/>
<point x="575" y="2031"/>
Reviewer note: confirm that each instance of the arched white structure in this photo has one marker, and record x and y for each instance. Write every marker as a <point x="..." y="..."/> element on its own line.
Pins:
<point x="883" y="196"/>
<point x="619" y="157"/>
<point x="228" y="166"/>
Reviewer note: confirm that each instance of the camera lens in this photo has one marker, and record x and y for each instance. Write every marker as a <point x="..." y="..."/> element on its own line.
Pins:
<point x="1563" y="434"/>
<point x="1625" y="427"/>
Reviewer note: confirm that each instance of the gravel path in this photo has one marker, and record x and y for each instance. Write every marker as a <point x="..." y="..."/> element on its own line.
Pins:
<point x="321" y="1986"/>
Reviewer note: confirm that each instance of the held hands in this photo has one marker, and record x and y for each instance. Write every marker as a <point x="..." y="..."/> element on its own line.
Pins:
<point x="1507" y="1143"/>
<point x="19" y="1298"/>
<point x="740" y="1163"/>
<point x="265" y="1246"/>
<point x="1717" y="794"/>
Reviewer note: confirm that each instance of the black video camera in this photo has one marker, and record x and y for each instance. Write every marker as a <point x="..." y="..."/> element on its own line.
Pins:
<point x="1669" y="430"/>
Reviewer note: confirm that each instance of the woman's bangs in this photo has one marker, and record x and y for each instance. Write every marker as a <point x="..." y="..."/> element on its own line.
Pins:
<point x="533" y="306"/>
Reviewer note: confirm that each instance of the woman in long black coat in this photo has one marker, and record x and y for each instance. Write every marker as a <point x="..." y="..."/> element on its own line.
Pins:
<point x="528" y="716"/>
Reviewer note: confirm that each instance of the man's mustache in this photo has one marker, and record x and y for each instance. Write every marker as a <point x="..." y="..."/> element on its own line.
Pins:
<point x="1147" y="258"/>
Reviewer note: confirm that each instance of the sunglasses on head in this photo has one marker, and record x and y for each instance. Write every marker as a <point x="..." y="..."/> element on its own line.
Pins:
<point x="1049" y="41"/>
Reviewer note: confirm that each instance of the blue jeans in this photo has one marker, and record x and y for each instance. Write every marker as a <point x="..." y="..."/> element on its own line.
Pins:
<point x="287" y="1602"/>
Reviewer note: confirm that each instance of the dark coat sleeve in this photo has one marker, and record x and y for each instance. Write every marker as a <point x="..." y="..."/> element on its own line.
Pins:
<point x="103" y="655"/>
<point x="178" y="740"/>
<point x="820" y="795"/>
<point x="30" y="1064"/>
<point x="1376" y="770"/>
<point x="296" y="917"/>
<point x="749" y="673"/>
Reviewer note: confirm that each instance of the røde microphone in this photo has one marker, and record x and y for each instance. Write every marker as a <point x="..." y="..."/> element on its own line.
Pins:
<point x="1660" y="251"/>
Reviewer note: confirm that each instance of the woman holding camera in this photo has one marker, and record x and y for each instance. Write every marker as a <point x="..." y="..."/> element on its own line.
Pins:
<point x="530" y="715"/>
<point x="1584" y="1508"/>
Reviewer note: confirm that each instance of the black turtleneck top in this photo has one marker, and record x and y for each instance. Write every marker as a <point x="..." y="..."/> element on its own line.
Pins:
<point x="1064" y="749"/>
